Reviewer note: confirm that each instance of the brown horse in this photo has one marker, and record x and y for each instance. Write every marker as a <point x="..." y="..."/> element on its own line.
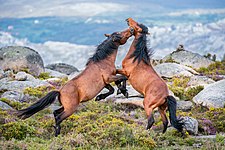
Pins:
<point x="141" y="75"/>
<point x="99" y="72"/>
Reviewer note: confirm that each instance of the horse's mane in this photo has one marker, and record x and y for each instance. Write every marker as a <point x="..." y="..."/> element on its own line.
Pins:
<point x="142" y="52"/>
<point x="103" y="50"/>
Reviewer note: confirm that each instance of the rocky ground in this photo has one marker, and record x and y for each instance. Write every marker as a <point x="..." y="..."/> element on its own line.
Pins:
<point x="116" y="122"/>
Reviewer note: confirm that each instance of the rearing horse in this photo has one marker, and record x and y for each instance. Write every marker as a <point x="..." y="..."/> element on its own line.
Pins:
<point x="99" y="72"/>
<point x="141" y="75"/>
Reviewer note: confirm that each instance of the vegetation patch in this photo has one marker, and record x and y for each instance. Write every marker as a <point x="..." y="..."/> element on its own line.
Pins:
<point x="37" y="91"/>
<point x="171" y="60"/>
<point x="213" y="70"/>
<point x="14" y="104"/>
<point x="44" y="76"/>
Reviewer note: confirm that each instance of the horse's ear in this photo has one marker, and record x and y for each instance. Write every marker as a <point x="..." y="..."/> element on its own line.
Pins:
<point x="107" y="35"/>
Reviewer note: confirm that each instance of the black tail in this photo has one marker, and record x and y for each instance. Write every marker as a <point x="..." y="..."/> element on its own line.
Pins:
<point x="39" y="105"/>
<point x="172" y="107"/>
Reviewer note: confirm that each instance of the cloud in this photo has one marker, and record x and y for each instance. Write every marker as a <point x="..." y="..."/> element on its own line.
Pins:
<point x="197" y="12"/>
<point x="43" y="8"/>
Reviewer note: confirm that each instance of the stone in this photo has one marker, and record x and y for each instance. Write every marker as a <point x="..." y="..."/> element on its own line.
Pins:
<point x="184" y="105"/>
<point x="62" y="68"/>
<point x="23" y="76"/>
<point x="4" y="106"/>
<point x="72" y="75"/>
<point x="56" y="74"/>
<point x="20" y="58"/>
<point x="200" y="81"/>
<point x="189" y="59"/>
<point x="14" y="96"/>
<point x="170" y="70"/>
<point x="8" y="85"/>
<point x="191" y="125"/>
<point x="212" y="96"/>
<point x="1" y="74"/>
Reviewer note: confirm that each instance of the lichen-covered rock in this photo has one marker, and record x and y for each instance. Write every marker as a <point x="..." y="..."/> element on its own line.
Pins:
<point x="170" y="70"/>
<point x="200" y="80"/>
<point x="212" y="96"/>
<point x="189" y="59"/>
<point x="62" y="68"/>
<point x="23" y="76"/>
<point x="191" y="125"/>
<point x="184" y="105"/>
<point x="20" y="58"/>
<point x="1" y="74"/>
<point x="4" y="106"/>
<point x="8" y="85"/>
<point x="14" y="96"/>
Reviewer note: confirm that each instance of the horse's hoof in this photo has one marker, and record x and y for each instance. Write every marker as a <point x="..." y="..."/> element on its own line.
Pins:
<point x="126" y="94"/>
<point x="118" y="92"/>
<point x="98" y="98"/>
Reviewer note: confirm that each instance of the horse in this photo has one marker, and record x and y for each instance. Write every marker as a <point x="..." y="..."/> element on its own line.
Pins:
<point x="99" y="72"/>
<point x="137" y="68"/>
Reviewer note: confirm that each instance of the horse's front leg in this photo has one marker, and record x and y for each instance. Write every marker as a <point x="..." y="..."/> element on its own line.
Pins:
<point x="122" y="88"/>
<point x="103" y="96"/>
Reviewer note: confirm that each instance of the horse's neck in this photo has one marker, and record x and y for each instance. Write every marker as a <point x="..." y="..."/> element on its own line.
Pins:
<point x="132" y="48"/>
<point x="112" y="58"/>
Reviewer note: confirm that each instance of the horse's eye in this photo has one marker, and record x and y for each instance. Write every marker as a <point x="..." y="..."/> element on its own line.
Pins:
<point x="132" y="30"/>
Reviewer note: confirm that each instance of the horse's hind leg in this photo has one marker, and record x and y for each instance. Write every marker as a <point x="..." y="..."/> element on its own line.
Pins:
<point x="70" y="101"/>
<point x="60" y="117"/>
<point x="148" y="109"/>
<point x="58" y="111"/>
<point x="162" y="111"/>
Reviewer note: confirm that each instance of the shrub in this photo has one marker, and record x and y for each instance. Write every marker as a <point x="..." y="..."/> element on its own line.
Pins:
<point x="37" y="91"/>
<point x="16" y="130"/>
<point x="191" y="92"/>
<point x="44" y="76"/>
<point x="15" y="105"/>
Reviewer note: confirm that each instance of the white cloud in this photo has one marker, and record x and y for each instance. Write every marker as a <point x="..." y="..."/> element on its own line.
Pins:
<point x="57" y="8"/>
<point x="197" y="12"/>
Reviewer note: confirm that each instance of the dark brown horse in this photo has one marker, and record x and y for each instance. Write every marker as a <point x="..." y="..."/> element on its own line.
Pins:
<point x="99" y="72"/>
<point x="141" y="75"/>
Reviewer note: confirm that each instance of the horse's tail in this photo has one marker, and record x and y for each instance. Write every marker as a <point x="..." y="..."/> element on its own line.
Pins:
<point x="39" y="105"/>
<point x="172" y="106"/>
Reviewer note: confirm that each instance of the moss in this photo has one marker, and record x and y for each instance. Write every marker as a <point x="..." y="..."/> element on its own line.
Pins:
<point x="171" y="60"/>
<point x="15" y="105"/>
<point x="37" y="91"/>
<point x="216" y="68"/>
<point x="191" y="92"/>
<point x="44" y="76"/>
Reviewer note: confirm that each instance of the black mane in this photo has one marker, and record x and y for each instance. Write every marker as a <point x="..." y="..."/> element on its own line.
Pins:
<point x="103" y="50"/>
<point x="142" y="52"/>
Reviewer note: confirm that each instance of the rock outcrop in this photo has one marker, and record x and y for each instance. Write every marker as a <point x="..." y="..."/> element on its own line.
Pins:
<point x="62" y="68"/>
<point x="170" y="70"/>
<point x="189" y="59"/>
<point x="212" y="96"/>
<point x="20" y="58"/>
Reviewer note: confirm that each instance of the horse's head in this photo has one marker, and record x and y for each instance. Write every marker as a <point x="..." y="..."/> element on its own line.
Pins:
<point x="121" y="37"/>
<point x="138" y="28"/>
